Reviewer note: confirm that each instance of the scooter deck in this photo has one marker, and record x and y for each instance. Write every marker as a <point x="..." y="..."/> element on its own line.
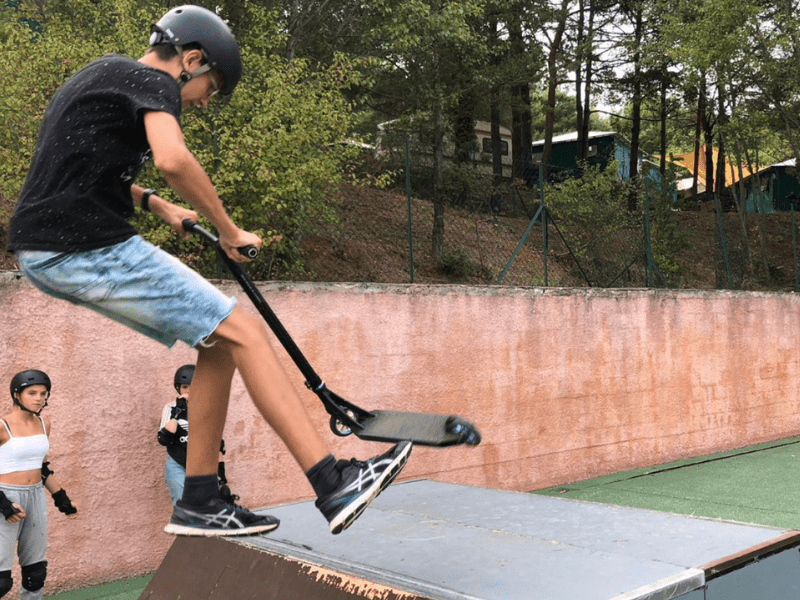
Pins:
<point x="423" y="429"/>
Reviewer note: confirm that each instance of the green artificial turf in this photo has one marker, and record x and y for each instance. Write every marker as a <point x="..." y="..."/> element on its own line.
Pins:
<point x="759" y="484"/>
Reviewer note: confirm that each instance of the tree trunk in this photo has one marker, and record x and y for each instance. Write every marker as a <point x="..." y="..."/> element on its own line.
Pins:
<point x="662" y="141"/>
<point x="587" y="91"/>
<point x="521" y="136"/>
<point x="437" y="236"/>
<point x="494" y="116"/>
<point x="581" y="151"/>
<point x="636" y="115"/>
<point x="497" y="157"/>
<point x="552" y="85"/>
<point x="741" y="205"/>
<point x="762" y="236"/>
<point x="698" y="129"/>
<point x="720" y="180"/>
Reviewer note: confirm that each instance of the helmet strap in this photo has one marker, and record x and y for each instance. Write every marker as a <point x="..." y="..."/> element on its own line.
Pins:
<point x="185" y="77"/>
<point x="33" y="412"/>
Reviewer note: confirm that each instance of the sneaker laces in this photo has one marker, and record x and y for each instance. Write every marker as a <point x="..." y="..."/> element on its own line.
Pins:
<point x="353" y="462"/>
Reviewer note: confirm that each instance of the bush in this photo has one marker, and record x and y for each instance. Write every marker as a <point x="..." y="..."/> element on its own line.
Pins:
<point x="274" y="153"/>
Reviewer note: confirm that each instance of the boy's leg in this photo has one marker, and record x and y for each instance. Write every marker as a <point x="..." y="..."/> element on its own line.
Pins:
<point x="243" y="339"/>
<point x="344" y="488"/>
<point x="211" y="389"/>
<point x="201" y="510"/>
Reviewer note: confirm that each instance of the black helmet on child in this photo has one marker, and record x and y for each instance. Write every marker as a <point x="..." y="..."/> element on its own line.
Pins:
<point x="183" y="376"/>
<point x="25" y="379"/>
<point x="196" y="25"/>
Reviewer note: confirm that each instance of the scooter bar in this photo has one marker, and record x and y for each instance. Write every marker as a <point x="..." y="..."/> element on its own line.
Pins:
<point x="249" y="251"/>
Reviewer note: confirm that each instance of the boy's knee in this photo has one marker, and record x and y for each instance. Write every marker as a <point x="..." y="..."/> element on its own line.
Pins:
<point x="239" y="327"/>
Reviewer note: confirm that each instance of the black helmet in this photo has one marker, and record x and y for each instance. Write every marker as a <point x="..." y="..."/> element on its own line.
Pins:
<point x="183" y="376"/>
<point x="196" y="25"/>
<point x="25" y="379"/>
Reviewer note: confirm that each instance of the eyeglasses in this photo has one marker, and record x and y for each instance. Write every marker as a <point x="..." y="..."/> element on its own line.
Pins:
<point x="214" y="86"/>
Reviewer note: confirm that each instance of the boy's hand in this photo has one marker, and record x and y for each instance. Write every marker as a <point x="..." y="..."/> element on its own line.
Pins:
<point x="239" y="239"/>
<point x="175" y="215"/>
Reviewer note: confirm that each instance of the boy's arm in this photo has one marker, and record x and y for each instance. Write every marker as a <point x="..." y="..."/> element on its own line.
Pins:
<point x="186" y="176"/>
<point x="173" y="214"/>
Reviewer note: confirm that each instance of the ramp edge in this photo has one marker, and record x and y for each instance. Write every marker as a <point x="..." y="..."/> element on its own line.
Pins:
<point x="388" y="578"/>
<point x="735" y="561"/>
<point x="667" y="588"/>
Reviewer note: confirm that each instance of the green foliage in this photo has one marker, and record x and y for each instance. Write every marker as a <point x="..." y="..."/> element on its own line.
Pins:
<point x="279" y="150"/>
<point x="39" y="50"/>
<point x="591" y="206"/>
<point x="457" y="265"/>
<point x="276" y="153"/>
<point x="591" y="211"/>
<point x="667" y="239"/>
<point x="564" y="116"/>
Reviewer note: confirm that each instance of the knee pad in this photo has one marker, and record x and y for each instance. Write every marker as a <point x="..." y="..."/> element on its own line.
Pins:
<point x="33" y="576"/>
<point x="6" y="583"/>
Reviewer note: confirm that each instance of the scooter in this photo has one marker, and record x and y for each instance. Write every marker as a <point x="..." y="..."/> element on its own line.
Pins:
<point x="346" y="418"/>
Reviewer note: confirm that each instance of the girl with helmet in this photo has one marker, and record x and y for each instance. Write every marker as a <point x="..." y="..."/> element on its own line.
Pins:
<point x="72" y="238"/>
<point x="24" y="475"/>
<point x="173" y="432"/>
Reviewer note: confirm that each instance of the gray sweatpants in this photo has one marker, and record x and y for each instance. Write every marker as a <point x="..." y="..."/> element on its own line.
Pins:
<point x="29" y="535"/>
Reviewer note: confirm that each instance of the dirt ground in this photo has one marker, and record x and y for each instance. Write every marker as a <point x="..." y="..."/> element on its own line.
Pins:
<point x="371" y="244"/>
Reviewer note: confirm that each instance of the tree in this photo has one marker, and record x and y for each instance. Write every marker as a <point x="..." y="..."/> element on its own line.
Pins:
<point x="274" y="153"/>
<point x="554" y="38"/>
<point x="428" y="48"/>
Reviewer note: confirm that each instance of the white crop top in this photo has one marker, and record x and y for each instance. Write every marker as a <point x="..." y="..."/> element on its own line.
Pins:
<point x="24" y="453"/>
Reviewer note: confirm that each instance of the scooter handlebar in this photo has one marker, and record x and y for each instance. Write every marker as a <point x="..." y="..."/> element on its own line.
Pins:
<point x="249" y="251"/>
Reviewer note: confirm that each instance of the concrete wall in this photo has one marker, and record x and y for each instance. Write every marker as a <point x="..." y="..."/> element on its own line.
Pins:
<point x="564" y="385"/>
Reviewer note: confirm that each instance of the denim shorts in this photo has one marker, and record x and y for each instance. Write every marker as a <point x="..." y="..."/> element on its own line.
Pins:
<point x="136" y="284"/>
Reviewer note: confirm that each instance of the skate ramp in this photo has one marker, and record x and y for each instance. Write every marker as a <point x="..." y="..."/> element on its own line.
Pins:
<point x="436" y="541"/>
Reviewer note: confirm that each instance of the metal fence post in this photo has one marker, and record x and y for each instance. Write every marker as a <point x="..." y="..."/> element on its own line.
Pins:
<point x="519" y="246"/>
<point x="718" y="210"/>
<point x="545" y="218"/>
<point x="410" y="228"/>
<point x="648" y="251"/>
<point x="794" y="249"/>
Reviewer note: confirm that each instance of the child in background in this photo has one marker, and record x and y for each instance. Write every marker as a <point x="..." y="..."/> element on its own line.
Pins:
<point x="173" y="433"/>
<point x="24" y="475"/>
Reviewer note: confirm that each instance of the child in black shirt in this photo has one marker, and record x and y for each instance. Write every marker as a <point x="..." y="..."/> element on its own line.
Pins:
<point x="73" y="241"/>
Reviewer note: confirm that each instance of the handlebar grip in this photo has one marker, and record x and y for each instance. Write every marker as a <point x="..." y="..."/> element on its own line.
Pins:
<point x="249" y="251"/>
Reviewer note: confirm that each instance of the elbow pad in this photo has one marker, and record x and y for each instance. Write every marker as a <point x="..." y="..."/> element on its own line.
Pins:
<point x="166" y="438"/>
<point x="46" y="470"/>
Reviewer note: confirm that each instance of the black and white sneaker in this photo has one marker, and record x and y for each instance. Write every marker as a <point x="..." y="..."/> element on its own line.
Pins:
<point x="217" y="518"/>
<point x="361" y="483"/>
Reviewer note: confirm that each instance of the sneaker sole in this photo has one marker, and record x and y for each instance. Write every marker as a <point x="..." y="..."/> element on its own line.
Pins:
<point x="188" y="530"/>
<point x="346" y="518"/>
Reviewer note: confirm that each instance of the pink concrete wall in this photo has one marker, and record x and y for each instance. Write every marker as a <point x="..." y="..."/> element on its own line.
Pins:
<point x="564" y="384"/>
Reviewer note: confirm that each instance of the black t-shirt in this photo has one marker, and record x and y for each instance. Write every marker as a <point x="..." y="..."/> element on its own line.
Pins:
<point x="91" y="146"/>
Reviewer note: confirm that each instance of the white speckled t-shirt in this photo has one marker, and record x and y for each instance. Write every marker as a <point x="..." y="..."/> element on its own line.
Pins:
<point x="91" y="146"/>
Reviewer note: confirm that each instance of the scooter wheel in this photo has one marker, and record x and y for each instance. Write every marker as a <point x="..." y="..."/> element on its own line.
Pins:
<point x="339" y="428"/>
<point x="466" y="431"/>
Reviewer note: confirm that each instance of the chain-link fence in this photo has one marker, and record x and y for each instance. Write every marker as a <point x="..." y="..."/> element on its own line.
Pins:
<point x="509" y="234"/>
